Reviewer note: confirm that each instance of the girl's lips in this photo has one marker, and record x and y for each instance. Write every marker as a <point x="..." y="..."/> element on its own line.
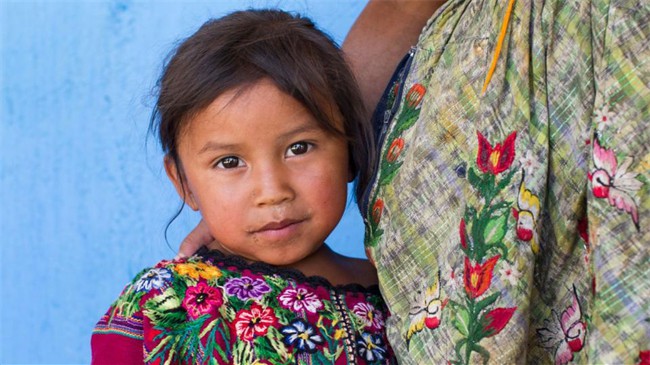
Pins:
<point x="273" y="226"/>
<point x="279" y="230"/>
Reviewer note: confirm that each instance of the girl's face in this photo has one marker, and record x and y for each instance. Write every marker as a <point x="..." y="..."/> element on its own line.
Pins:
<point x="269" y="181"/>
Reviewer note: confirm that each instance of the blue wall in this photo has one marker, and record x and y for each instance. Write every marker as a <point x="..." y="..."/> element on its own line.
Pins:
<point x="84" y="200"/>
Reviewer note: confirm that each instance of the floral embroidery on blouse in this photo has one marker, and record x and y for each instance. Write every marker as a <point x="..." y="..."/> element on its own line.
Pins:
<point x="216" y="309"/>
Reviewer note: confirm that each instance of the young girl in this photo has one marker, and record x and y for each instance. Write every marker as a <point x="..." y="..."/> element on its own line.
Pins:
<point x="262" y="126"/>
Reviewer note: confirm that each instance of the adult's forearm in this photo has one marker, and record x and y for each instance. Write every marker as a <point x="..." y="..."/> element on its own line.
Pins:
<point x="379" y="38"/>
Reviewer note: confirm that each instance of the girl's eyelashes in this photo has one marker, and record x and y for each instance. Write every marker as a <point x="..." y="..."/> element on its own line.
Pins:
<point x="229" y="162"/>
<point x="299" y="148"/>
<point x="295" y="149"/>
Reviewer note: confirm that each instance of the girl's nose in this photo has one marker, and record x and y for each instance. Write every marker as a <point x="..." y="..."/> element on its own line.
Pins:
<point x="273" y="186"/>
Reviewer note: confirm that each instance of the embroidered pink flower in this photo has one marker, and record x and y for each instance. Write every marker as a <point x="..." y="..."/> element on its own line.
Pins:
<point x="395" y="149"/>
<point x="495" y="320"/>
<point x="495" y="160"/>
<point x="377" y="210"/>
<point x="300" y="299"/>
<point x="370" y="316"/>
<point x="414" y="95"/>
<point x="201" y="299"/>
<point x="478" y="277"/>
<point x="255" y="322"/>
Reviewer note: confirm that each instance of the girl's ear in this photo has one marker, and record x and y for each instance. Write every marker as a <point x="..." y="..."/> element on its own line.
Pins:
<point x="177" y="178"/>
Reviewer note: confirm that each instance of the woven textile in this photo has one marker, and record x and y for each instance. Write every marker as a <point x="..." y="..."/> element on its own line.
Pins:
<point x="217" y="309"/>
<point x="509" y="216"/>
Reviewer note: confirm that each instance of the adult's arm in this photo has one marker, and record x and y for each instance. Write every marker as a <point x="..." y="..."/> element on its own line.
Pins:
<point x="380" y="37"/>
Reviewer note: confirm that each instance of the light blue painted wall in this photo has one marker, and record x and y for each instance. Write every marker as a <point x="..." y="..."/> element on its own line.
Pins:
<point x="83" y="199"/>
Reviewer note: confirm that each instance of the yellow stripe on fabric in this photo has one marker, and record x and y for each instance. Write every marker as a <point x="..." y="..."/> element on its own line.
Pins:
<point x="497" y="49"/>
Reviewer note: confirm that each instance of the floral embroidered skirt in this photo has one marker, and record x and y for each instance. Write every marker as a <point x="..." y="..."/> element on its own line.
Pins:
<point x="510" y="210"/>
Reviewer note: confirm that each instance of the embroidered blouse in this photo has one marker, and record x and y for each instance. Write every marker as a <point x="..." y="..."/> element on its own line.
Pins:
<point x="218" y="309"/>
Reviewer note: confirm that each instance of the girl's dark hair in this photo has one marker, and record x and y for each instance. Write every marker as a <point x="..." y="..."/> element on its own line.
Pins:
<point x="239" y="49"/>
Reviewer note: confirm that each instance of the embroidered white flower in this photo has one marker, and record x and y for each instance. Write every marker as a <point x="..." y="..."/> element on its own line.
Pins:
<point x="529" y="162"/>
<point x="300" y="299"/>
<point x="604" y="117"/>
<point x="369" y="315"/>
<point x="510" y="272"/>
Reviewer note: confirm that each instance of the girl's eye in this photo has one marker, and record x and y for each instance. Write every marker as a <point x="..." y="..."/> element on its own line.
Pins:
<point x="299" y="148"/>
<point x="229" y="162"/>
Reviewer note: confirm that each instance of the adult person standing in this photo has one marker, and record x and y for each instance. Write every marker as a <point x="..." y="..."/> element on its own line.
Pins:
<point x="508" y="218"/>
<point x="508" y="214"/>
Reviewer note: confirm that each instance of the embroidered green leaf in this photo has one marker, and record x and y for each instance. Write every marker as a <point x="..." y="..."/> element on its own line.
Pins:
<point x="374" y="239"/>
<point x="275" y="339"/>
<point x="320" y="358"/>
<point x="128" y="304"/>
<point x="406" y="120"/>
<point x="208" y="327"/>
<point x="327" y="353"/>
<point x="474" y="179"/>
<point x="505" y="181"/>
<point x="495" y="229"/>
<point x="172" y="353"/>
<point x="165" y="310"/>
<point x="501" y="207"/>
<point x="243" y="353"/>
<point x="227" y="312"/>
<point x="461" y="321"/>
<point x="453" y="304"/>
<point x="389" y="173"/>
<point x="339" y="350"/>
<point x="213" y="345"/>
<point x="328" y="311"/>
<point x="502" y="247"/>
<point x="487" y="301"/>
<point x="487" y="189"/>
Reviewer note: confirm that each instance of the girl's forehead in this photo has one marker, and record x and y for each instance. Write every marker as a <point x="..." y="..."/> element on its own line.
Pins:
<point x="266" y="96"/>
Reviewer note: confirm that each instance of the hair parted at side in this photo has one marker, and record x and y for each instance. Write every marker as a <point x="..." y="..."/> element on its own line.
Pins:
<point x="239" y="49"/>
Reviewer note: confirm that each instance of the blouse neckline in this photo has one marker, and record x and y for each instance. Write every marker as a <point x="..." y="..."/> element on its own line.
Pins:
<point x="263" y="268"/>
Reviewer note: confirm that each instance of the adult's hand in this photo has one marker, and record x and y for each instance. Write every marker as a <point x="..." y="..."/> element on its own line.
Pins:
<point x="200" y="236"/>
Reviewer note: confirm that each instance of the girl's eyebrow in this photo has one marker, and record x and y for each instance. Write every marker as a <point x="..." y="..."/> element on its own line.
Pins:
<point x="304" y="128"/>
<point x="215" y="146"/>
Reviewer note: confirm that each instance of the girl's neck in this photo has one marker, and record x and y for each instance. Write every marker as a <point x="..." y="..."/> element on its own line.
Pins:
<point x="324" y="262"/>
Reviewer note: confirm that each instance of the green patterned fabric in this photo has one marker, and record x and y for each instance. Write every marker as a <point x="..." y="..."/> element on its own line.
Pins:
<point x="512" y="225"/>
